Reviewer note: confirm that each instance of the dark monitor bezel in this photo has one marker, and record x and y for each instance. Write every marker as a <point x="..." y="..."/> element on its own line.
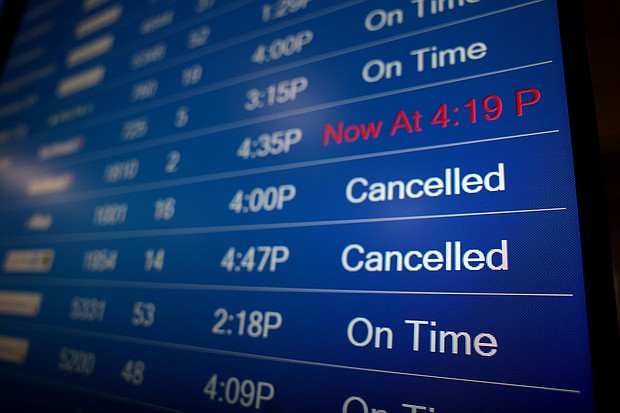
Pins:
<point x="594" y="228"/>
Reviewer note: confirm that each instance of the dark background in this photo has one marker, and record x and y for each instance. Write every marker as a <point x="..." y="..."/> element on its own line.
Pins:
<point x="603" y="26"/>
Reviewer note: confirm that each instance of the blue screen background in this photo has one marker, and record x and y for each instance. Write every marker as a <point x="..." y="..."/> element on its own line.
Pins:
<point x="186" y="182"/>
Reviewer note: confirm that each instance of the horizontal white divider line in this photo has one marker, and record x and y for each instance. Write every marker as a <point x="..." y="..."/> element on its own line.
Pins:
<point x="238" y="354"/>
<point x="80" y="282"/>
<point x="199" y="133"/>
<point x="147" y="233"/>
<point x="262" y="73"/>
<point x="190" y="180"/>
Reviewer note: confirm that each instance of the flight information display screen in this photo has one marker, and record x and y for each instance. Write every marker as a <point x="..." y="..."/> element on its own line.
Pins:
<point x="290" y="206"/>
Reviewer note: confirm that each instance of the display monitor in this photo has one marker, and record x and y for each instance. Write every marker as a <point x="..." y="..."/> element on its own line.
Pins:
<point x="301" y="206"/>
